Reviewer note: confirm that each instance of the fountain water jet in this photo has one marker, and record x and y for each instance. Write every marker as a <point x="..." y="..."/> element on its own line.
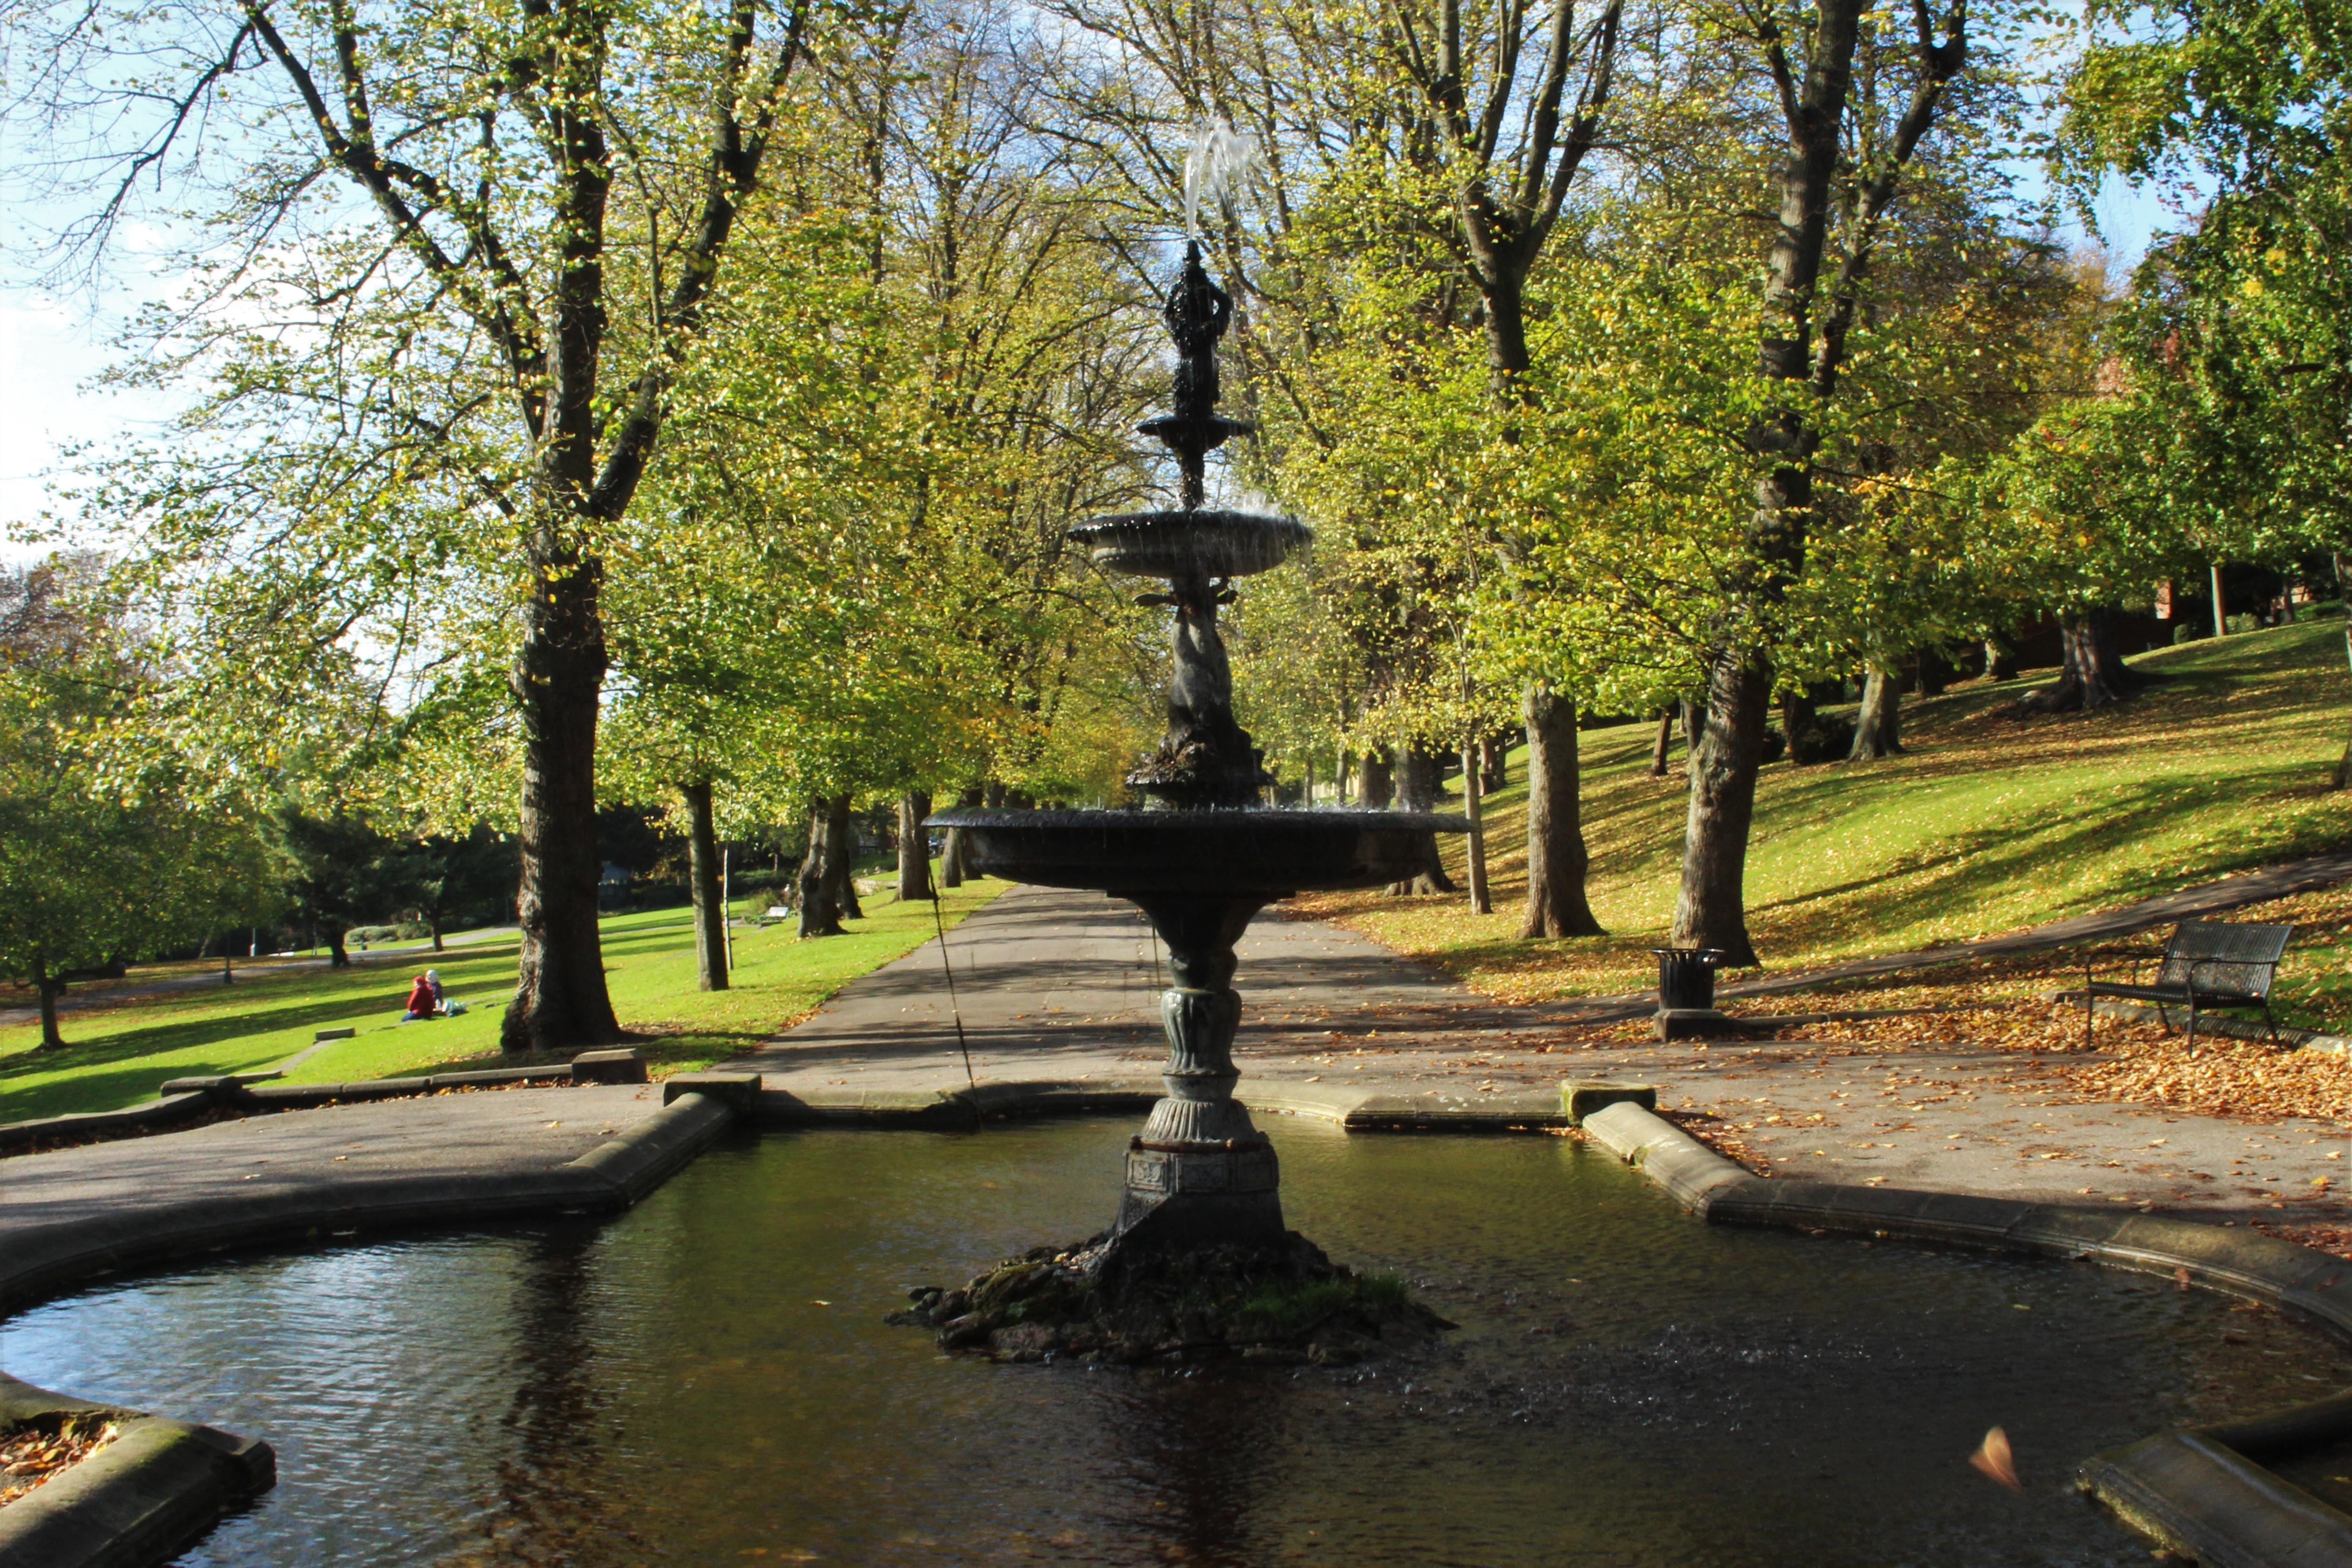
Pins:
<point x="1203" y="1190"/>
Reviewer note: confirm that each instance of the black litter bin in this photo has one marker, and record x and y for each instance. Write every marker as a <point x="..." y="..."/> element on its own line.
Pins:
<point x="1686" y="978"/>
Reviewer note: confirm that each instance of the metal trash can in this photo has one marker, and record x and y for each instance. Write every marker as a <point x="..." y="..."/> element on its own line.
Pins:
<point x="1686" y="978"/>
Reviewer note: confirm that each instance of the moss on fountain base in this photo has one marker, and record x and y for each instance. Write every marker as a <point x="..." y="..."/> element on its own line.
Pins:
<point x="1099" y="1301"/>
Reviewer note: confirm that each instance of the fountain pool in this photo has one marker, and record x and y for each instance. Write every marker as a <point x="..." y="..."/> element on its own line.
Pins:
<point x="708" y="1379"/>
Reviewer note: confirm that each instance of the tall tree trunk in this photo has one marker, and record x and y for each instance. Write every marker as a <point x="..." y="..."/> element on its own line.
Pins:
<point x="820" y="908"/>
<point x="2000" y="660"/>
<point x="1379" y="780"/>
<point x="1694" y="726"/>
<point x="433" y="924"/>
<point x="1495" y="758"/>
<point x="228" y="960"/>
<point x="1339" y="786"/>
<point x="702" y="879"/>
<point x="560" y="1000"/>
<point x="914" y="848"/>
<point x="338" y="955"/>
<point x="2093" y="675"/>
<point x="1557" y="860"/>
<point x="1711" y="908"/>
<point x="1658" y="747"/>
<point x="1798" y="720"/>
<point x="843" y="833"/>
<point x="1417" y="791"/>
<point x="49" y="987"/>
<point x="1878" y="722"/>
<point x="952" y="870"/>
<point x="1805" y="343"/>
<point x="1473" y="787"/>
<point x="1933" y="673"/>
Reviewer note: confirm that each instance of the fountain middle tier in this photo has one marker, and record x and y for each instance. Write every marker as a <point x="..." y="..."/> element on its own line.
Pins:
<point x="1200" y="1174"/>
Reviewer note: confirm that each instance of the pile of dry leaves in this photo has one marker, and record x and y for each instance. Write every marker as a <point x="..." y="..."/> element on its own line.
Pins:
<point x="33" y="1453"/>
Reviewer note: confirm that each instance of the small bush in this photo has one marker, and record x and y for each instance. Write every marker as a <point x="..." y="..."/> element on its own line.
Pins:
<point x="2239" y="625"/>
<point x="2187" y="631"/>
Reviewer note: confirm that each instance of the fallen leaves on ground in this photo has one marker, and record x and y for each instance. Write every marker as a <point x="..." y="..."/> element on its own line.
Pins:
<point x="2332" y="1238"/>
<point x="31" y="1455"/>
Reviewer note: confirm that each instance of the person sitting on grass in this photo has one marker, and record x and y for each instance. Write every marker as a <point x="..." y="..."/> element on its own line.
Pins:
<point x="420" y="1001"/>
<point x="441" y="1003"/>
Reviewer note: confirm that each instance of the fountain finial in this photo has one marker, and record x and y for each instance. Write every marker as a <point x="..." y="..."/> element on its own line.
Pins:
<point x="1197" y="312"/>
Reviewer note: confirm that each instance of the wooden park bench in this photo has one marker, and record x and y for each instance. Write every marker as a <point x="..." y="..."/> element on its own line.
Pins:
<point x="2207" y="963"/>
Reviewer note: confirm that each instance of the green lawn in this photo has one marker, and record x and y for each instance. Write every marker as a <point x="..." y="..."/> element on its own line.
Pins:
<point x="118" y="1055"/>
<point x="1989" y="823"/>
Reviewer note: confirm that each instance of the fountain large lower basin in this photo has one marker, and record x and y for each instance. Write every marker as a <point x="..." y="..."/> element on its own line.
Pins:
<point x="1240" y="852"/>
<point x="708" y="1379"/>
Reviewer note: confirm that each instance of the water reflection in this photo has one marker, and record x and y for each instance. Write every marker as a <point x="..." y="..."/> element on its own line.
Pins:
<point x="708" y="1380"/>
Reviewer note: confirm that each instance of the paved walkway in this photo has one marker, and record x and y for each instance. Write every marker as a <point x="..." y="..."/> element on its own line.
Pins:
<point x="48" y="1200"/>
<point x="1062" y="984"/>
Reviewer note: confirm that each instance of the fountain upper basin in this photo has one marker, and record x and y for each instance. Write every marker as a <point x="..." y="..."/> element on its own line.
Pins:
<point x="1273" y="852"/>
<point x="1185" y="544"/>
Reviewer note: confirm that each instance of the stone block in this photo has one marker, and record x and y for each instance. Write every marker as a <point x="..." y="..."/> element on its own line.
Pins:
<point x="739" y="1092"/>
<point x="323" y="1035"/>
<point x="1582" y="1097"/>
<point x="219" y="1086"/>
<point x="1693" y="1024"/>
<point x="625" y="1065"/>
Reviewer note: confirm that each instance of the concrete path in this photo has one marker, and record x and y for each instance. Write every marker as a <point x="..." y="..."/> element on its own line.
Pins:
<point x="1062" y="986"/>
<point x="292" y="1157"/>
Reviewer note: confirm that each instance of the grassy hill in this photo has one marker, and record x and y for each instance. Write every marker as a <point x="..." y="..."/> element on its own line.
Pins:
<point x="1990" y="823"/>
<point x="117" y="1055"/>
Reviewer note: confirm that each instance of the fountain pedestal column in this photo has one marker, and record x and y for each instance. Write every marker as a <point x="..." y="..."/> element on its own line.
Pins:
<point x="1200" y="1174"/>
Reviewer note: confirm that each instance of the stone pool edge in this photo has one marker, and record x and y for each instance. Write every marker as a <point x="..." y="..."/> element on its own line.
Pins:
<point x="157" y="1488"/>
<point x="2202" y="1492"/>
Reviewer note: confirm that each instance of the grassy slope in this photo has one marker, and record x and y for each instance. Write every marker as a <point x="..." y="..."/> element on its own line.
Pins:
<point x="1989" y="823"/>
<point x="117" y="1056"/>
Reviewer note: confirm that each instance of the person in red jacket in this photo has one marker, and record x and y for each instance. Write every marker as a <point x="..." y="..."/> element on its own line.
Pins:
<point x="420" y="1001"/>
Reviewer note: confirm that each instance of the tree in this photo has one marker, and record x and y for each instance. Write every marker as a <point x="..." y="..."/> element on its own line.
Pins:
<point x="109" y="849"/>
<point x="480" y="333"/>
<point x="2238" y="338"/>
<point x="342" y="872"/>
<point x="443" y="877"/>
<point x="1846" y="160"/>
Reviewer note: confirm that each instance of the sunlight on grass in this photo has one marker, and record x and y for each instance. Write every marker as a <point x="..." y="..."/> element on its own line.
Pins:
<point x="1990" y="823"/>
<point x="117" y="1056"/>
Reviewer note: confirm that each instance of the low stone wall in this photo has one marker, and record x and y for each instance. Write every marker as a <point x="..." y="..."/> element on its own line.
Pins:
<point x="187" y="1100"/>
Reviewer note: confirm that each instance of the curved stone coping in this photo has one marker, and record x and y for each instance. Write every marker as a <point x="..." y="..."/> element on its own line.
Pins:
<point x="1357" y="1110"/>
<point x="183" y="1100"/>
<point x="2203" y="1492"/>
<point x="138" y="1500"/>
<point x="614" y="1174"/>
<point x="2203" y="1499"/>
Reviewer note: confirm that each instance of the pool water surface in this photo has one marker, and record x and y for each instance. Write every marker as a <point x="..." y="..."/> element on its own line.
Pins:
<point x="708" y="1379"/>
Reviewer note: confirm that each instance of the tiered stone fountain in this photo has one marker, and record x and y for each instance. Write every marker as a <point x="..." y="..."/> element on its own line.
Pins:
<point x="1201" y="859"/>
